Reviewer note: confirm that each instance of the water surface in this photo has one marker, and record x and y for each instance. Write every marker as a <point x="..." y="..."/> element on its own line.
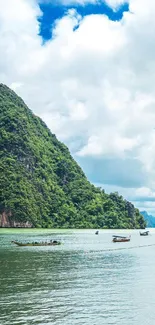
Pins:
<point x="84" y="281"/>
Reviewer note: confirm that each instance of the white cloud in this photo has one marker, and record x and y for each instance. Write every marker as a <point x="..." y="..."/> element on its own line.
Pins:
<point x="95" y="87"/>
<point x="112" y="3"/>
<point x="81" y="2"/>
<point x="115" y="3"/>
<point x="146" y="206"/>
<point x="70" y="2"/>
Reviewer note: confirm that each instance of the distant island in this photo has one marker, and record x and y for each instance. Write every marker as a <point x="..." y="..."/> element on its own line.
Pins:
<point x="149" y="219"/>
<point x="41" y="185"/>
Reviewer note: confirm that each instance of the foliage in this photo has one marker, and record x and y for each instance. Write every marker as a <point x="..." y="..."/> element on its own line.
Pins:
<point x="40" y="182"/>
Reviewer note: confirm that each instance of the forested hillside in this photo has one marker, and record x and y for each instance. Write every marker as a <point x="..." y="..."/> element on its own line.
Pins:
<point x="40" y="182"/>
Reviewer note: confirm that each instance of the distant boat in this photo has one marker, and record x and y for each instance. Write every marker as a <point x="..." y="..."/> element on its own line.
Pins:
<point x="51" y="243"/>
<point x="144" y="233"/>
<point x="97" y="232"/>
<point x="120" y="239"/>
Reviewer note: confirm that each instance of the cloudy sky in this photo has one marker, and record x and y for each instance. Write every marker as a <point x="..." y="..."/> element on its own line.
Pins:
<point x="87" y="68"/>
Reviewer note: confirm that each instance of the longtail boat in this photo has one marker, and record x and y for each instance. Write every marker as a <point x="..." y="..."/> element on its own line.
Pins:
<point x="144" y="233"/>
<point x="120" y="239"/>
<point x="51" y="243"/>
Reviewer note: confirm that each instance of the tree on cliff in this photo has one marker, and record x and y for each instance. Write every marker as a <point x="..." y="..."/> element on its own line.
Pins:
<point x="41" y="183"/>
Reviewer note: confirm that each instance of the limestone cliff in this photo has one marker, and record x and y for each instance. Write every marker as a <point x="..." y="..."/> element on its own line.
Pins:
<point x="7" y="222"/>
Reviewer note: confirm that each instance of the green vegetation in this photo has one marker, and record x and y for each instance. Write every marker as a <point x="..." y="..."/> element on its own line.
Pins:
<point x="41" y="183"/>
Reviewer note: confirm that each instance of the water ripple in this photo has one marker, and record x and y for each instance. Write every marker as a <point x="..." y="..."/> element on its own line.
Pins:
<point x="76" y="283"/>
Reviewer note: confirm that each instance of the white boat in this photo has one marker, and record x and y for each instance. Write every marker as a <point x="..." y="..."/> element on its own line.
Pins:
<point x="120" y="239"/>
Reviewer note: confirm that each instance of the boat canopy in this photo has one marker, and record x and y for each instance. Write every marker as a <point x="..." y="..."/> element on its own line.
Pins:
<point x="115" y="236"/>
<point x="144" y="232"/>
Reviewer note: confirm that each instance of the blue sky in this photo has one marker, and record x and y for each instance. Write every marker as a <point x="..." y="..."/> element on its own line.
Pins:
<point x="52" y="12"/>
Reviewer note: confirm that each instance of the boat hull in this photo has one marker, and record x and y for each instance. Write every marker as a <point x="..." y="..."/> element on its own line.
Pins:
<point x="36" y="244"/>
<point x="120" y="240"/>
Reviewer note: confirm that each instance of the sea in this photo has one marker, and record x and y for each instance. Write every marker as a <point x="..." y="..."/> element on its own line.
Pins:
<point x="88" y="280"/>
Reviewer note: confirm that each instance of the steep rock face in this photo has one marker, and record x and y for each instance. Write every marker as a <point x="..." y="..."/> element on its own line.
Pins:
<point x="40" y="182"/>
<point x="7" y="222"/>
<point x="149" y="219"/>
<point x="5" y="219"/>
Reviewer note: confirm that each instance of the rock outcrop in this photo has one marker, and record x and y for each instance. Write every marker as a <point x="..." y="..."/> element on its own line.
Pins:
<point x="7" y="222"/>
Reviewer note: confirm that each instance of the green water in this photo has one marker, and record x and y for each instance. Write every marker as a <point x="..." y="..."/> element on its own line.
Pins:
<point x="79" y="282"/>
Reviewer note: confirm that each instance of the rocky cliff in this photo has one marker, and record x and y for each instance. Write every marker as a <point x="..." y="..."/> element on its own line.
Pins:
<point x="6" y="221"/>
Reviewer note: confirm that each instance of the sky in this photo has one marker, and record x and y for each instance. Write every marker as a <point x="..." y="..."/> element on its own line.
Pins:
<point x="54" y="10"/>
<point x="87" y="68"/>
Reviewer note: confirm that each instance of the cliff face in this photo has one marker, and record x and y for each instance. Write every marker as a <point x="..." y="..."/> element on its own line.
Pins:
<point x="40" y="182"/>
<point x="149" y="219"/>
<point x="6" y="221"/>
